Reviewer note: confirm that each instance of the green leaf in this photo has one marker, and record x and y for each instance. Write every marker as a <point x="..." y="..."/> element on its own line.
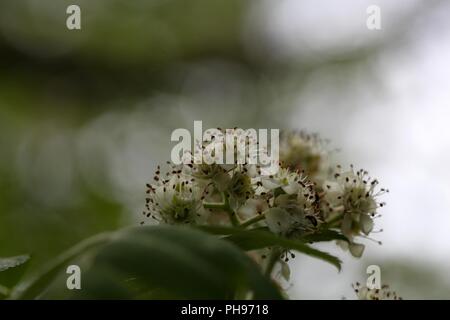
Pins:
<point x="156" y="262"/>
<point x="261" y="237"/>
<point x="325" y="235"/>
<point x="258" y="239"/>
<point x="220" y="230"/>
<point x="12" y="269"/>
<point x="225" y="231"/>
<point x="4" y="292"/>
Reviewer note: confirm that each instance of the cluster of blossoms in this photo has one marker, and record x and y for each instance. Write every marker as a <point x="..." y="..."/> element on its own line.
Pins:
<point x="306" y="194"/>
<point x="365" y="293"/>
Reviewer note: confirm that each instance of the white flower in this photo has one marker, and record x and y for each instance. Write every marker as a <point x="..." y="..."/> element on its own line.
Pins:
<point x="349" y="202"/>
<point x="294" y="214"/>
<point x="356" y="249"/>
<point x="253" y="207"/>
<point x="279" y="221"/>
<point x="290" y="182"/>
<point x="175" y="201"/>
<point x="240" y="189"/>
<point x="352" y="196"/>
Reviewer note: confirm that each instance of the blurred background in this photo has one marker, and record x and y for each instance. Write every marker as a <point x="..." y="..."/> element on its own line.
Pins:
<point x="86" y="115"/>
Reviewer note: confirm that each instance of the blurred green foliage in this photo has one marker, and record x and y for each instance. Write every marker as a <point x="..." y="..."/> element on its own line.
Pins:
<point x="53" y="81"/>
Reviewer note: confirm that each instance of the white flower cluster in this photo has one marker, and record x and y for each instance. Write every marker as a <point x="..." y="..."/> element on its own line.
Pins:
<point x="303" y="197"/>
<point x="384" y="293"/>
<point x="350" y="203"/>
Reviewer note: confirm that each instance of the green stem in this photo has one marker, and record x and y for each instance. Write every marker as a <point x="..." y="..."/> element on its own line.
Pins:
<point x="224" y="205"/>
<point x="253" y="220"/>
<point x="214" y="205"/>
<point x="233" y="218"/>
